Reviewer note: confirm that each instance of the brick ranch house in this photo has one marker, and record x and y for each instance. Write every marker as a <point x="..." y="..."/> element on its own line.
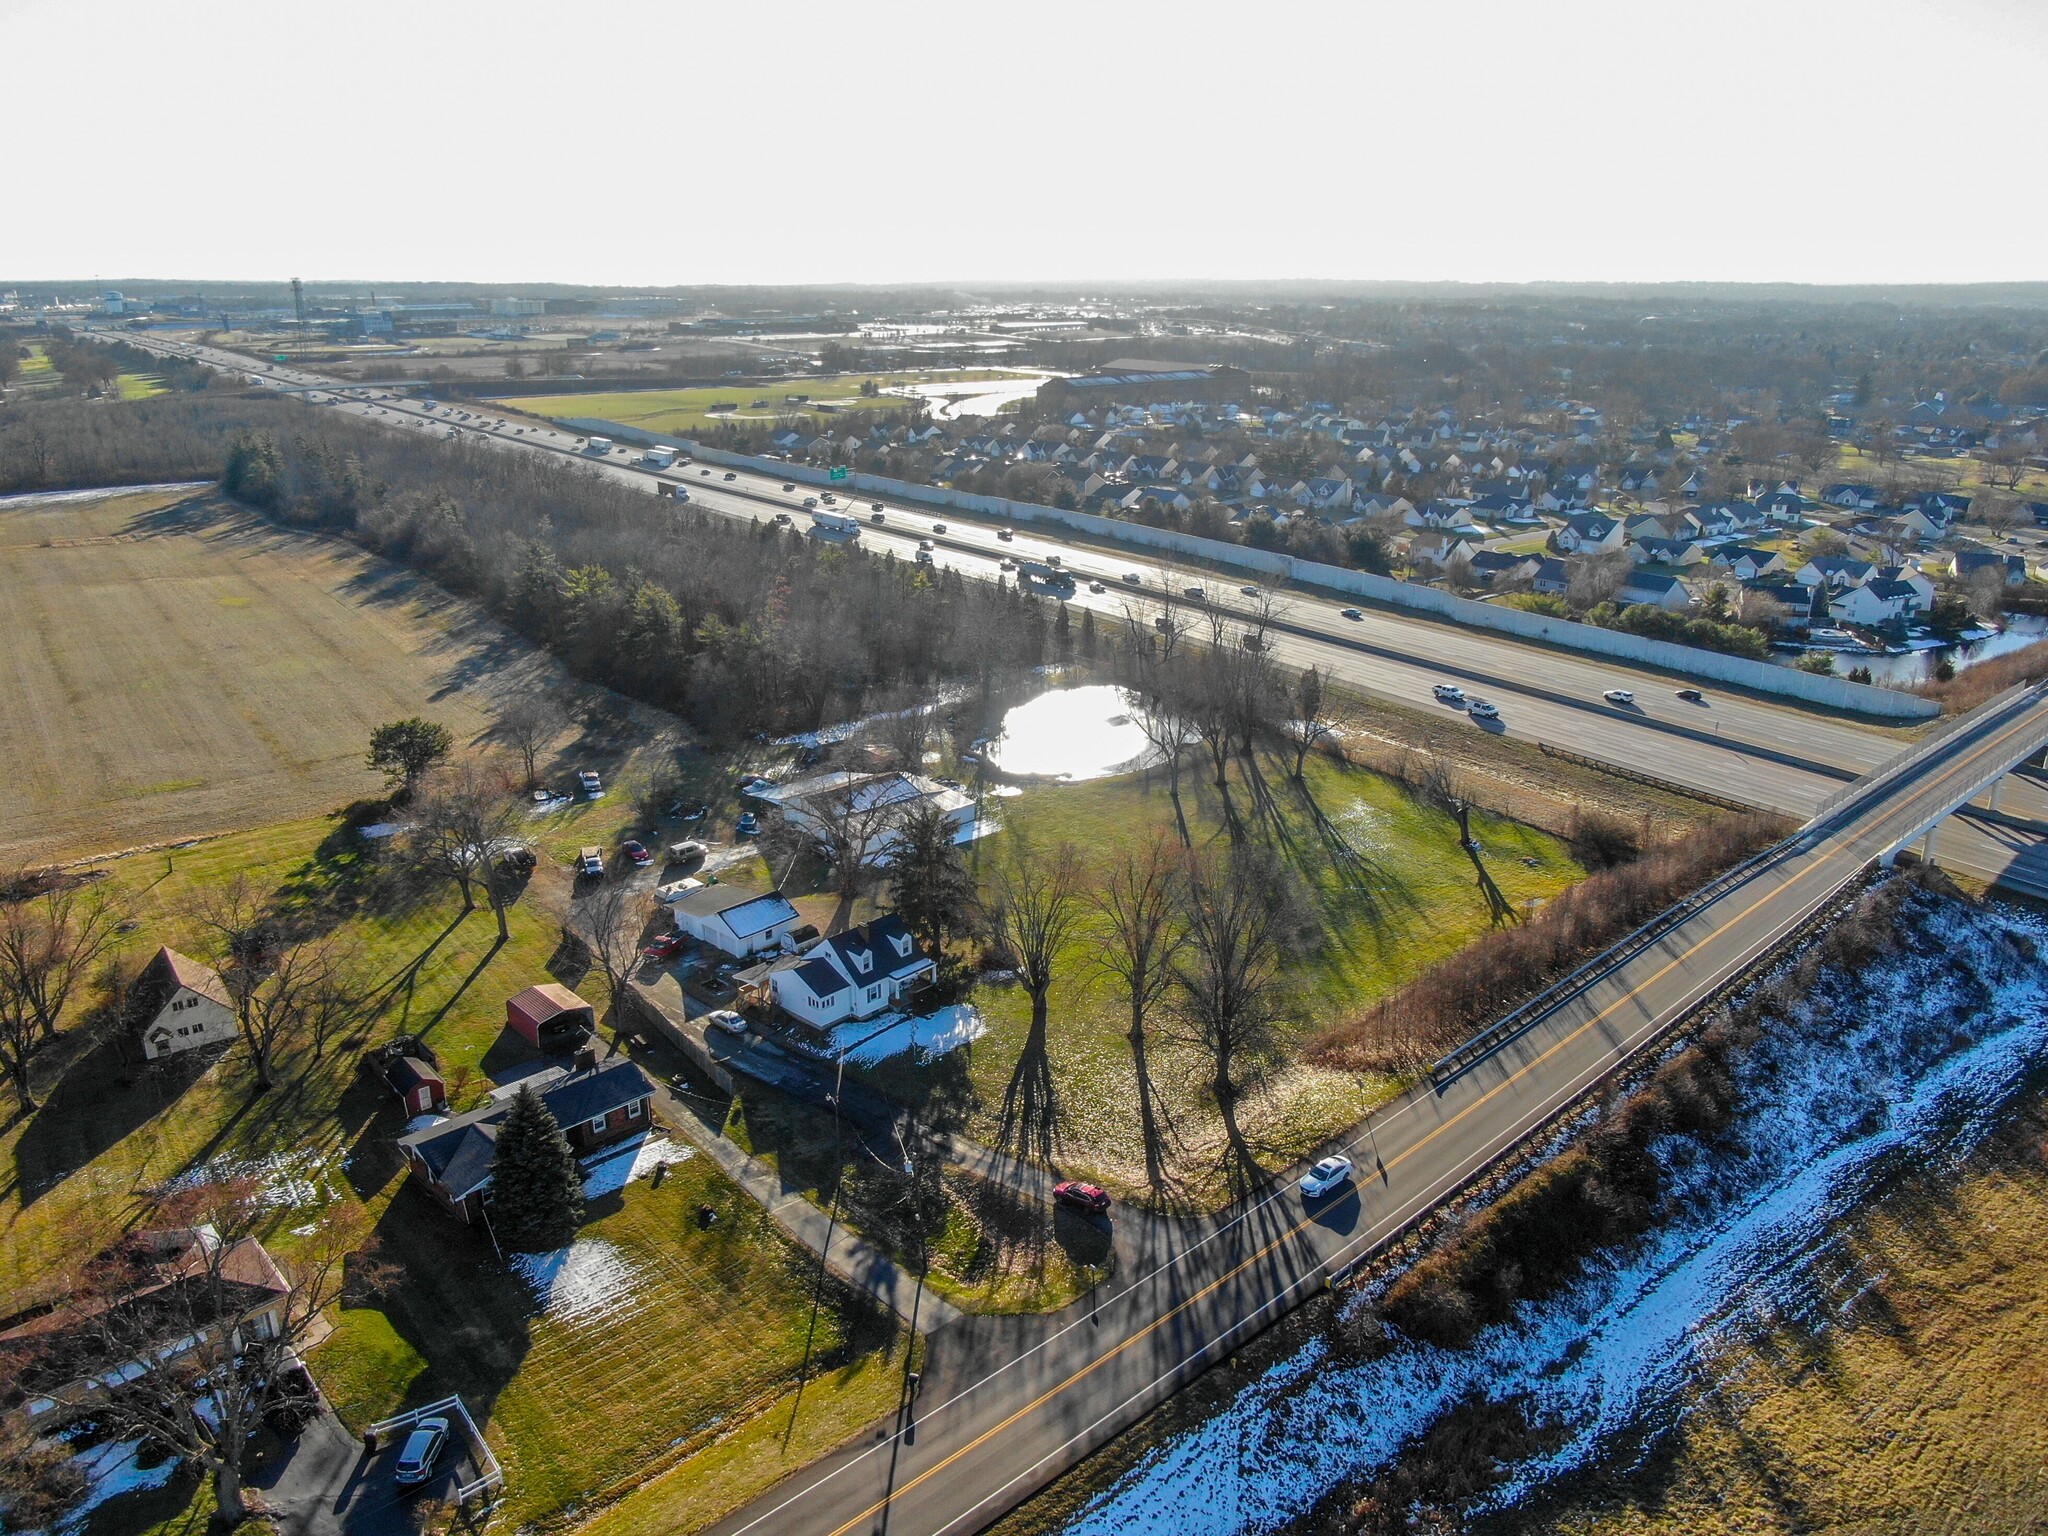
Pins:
<point x="595" y="1104"/>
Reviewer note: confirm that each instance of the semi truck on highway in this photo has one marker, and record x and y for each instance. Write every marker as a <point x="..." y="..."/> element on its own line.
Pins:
<point x="841" y="523"/>
<point x="1044" y="573"/>
<point x="658" y="457"/>
<point x="598" y="446"/>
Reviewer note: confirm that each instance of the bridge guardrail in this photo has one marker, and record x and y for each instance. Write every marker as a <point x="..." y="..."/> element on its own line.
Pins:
<point x="1534" y="1010"/>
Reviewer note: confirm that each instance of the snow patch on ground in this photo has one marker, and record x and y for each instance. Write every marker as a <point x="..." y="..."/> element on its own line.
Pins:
<point x="1910" y="1060"/>
<point x="283" y="1179"/>
<point x="586" y="1280"/>
<point x="930" y="1036"/>
<point x="111" y="1469"/>
<point x="635" y="1160"/>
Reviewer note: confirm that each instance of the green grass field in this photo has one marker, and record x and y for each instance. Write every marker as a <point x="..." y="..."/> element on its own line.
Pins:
<point x="688" y="410"/>
<point x="1968" y="475"/>
<point x="1425" y="906"/>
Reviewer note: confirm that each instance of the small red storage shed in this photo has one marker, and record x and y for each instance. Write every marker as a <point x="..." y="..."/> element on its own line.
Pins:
<point x="418" y="1086"/>
<point x="551" y="1017"/>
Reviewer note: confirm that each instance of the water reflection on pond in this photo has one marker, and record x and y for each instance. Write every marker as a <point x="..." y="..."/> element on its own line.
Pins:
<point x="1072" y="733"/>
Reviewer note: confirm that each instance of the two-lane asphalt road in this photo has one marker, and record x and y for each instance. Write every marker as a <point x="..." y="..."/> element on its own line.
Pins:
<point x="1009" y="1404"/>
<point x="1744" y="748"/>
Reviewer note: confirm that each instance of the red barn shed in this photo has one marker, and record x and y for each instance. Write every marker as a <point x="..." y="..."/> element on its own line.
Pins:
<point x="551" y="1017"/>
<point x="418" y="1085"/>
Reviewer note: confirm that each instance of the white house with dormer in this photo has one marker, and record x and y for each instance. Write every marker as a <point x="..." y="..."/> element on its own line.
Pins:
<point x="183" y="1006"/>
<point x="852" y="975"/>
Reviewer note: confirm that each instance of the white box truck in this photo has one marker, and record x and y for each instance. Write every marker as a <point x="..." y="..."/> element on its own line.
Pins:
<point x="658" y="457"/>
<point x="598" y="446"/>
<point x="841" y="523"/>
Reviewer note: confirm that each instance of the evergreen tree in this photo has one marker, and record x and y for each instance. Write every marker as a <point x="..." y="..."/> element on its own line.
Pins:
<point x="537" y="1192"/>
<point x="932" y="890"/>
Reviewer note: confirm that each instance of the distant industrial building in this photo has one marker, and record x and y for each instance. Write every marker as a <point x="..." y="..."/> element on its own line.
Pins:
<point x="1132" y="381"/>
<point x="515" y="308"/>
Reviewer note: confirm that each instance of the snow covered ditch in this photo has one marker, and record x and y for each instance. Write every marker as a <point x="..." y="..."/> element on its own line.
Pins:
<point x="1907" y="1063"/>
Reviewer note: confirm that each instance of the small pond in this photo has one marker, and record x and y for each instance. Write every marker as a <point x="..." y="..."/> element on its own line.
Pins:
<point x="1072" y="734"/>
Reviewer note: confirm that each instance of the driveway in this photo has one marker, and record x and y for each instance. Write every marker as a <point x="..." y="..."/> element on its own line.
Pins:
<point x="322" y="1483"/>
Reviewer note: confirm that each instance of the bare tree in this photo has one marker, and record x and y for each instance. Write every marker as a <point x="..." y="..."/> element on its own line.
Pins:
<point x="1445" y="790"/>
<point x="1239" y="917"/>
<point x="528" y="723"/>
<point x="610" y="920"/>
<point x="183" y="1335"/>
<point x="1031" y="904"/>
<point x="51" y="943"/>
<point x="1312" y="722"/>
<point x="287" y="987"/>
<point x="851" y="824"/>
<point x="1156" y="660"/>
<point x="462" y="826"/>
<point x="1141" y="935"/>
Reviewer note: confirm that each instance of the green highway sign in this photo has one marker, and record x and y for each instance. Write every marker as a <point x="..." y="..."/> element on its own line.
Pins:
<point x="839" y="473"/>
<point x="279" y="357"/>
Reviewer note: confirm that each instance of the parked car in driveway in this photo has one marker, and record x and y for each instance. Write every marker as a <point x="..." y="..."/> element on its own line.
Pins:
<point x="749" y="824"/>
<point x="636" y="850"/>
<point x="590" y="861"/>
<point x="590" y="783"/>
<point x="686" y="851"/>
<point x="727" y="1020"/>
<point x="1080" y="1196"/>
<point x="1331" y="1173"/>
<point x="421" y="1452"/>
<point x="668" y="946"/>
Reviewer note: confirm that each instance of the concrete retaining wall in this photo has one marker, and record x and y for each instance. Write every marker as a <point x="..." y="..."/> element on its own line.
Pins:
<point x="1739" y="671"/>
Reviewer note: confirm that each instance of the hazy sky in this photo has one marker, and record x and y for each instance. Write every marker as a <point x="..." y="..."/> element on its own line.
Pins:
<point x="779" y="140"/>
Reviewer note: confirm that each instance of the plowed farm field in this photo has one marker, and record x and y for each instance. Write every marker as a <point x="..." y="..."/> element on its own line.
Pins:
<point x="173" y="667"/>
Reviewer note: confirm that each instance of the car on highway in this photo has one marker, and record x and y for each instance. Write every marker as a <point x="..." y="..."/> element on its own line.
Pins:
<point x="924" y="544"/>
<point x="1618" y="696"/>
<point x="421" y="1453"/>
<point x="810" y="501"/>
<point x="1349" y="613"/>
<point x="876" y="506"/>
<point x="749" y="824"/>
<point x="1691" y="695"/>
<point x="876" y="517"/>
<point x="1195" y="592"/>
<point x="783" y="519"/>
<point x="1479" y="709"/>
<point x="789" y="485"/>
<point x="1448" y="693"/>
<point x="636" y="850"/>
<point x="1132" y="579"/>
<point x="707" y="474"/>
<point x="590" y="784"/>
<point x="1249" y="591"/>
<point x="1006" y="534"/>
<point x="668" y="946"/>
<point x="1006" y="564"/>
<point x="938" y="527"/>
<point x="924" y="557"/>
<point x="1331" y="1173"/>
<point x="1081" y="1197"/>
<point x="727" y="1020"/>
<point x="730" y="475"/>
<point x="1096" y="586"/>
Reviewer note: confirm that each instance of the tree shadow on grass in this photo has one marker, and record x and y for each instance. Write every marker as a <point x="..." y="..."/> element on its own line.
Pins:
<point x="104" y="1097"/>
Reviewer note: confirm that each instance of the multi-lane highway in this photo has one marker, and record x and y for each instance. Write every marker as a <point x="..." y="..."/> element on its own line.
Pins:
<point x="1752" y="750"/>
<point x="1008" y="1404"/>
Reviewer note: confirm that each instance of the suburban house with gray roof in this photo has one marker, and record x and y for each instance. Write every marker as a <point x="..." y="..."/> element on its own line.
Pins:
<point x="595" y="1104"/>
<point x="852" y="975"/>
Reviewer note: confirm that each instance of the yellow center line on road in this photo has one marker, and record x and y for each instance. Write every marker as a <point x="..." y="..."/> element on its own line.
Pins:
<point x="1160" y="1321"/>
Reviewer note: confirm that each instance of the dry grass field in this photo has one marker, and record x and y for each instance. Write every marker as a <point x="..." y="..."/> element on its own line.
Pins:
<point x="175" y="667"/>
